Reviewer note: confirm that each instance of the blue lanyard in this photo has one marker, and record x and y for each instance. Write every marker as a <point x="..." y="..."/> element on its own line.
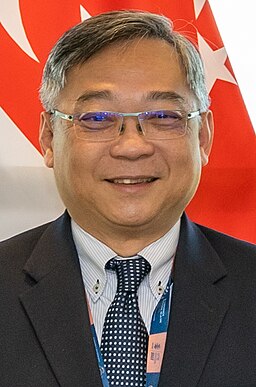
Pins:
<point x="156" y="344"/>
<point x="102" y="369"/>
<point x="157" y="337"/>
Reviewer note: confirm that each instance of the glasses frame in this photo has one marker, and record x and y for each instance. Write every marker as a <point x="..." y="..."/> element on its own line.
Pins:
<point x="72" y="117"/>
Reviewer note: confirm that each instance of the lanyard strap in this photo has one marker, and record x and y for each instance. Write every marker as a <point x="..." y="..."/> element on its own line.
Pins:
<point x="102" y="369"/>
<point x="156" y="343"/>
<point x="157" y="337"/>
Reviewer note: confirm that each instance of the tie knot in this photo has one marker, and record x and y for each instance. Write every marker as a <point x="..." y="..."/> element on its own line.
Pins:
<point x="130" y="272"/>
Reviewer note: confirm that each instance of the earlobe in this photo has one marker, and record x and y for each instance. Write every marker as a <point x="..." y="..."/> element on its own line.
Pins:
<point x="46" y="139"/>
<point x="206" y="136"/>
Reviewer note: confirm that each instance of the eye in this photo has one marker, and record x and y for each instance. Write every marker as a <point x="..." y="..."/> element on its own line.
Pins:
<point x="95" y="121"/>
<point x="165" y="114"/>
<point x="94" y="117"/>
<point x="163" y="117"/>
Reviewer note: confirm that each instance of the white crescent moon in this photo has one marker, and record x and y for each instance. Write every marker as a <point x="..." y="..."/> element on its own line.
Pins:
<point x="10" y="17"/>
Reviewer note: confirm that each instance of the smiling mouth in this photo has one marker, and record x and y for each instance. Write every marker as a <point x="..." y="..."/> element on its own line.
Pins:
<point x="130" y="181"/>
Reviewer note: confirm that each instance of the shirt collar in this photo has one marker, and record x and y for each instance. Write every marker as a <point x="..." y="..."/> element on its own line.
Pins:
<point x="93" y="256"/>
<point x="160" y="254"/>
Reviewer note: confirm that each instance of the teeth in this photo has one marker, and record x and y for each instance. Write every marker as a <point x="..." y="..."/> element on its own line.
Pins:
<point x="133" y="181"/>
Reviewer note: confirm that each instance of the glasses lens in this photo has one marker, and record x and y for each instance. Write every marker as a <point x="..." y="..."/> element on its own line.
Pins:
<point x="97" y="126"/>
<point x="156" y="125"/>
<point x="163" y="124"/>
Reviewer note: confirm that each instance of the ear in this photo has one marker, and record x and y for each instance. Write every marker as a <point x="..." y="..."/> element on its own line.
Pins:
<point x="206" y="136"/>
<point x="46" y="139"/>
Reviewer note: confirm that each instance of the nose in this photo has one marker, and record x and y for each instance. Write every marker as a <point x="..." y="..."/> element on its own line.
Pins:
<point x="131" y="142"/>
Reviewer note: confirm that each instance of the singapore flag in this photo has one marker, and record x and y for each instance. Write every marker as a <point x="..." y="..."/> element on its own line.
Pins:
<point x="227" y="194"/>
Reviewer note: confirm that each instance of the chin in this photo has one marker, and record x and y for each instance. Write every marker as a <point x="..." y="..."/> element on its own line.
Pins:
<point x="135" y="220"/>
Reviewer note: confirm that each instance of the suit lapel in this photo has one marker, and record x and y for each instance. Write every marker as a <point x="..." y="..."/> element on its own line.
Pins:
<point x="199" y="304"/>
<point x="56" y="307"/>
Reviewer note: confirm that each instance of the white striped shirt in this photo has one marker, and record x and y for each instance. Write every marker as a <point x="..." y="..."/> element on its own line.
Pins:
<point x="100" y="284"/>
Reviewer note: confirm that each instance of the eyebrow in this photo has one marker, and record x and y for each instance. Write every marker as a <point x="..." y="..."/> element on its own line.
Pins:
<point x="156" y="95"/>
<point x="165" y="95"/>
<point x="94" y="94"/>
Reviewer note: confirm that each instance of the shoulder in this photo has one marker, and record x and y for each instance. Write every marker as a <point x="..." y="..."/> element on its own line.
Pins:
<point x="221" y="240"/>
<point x="233" y="251"/>
<point x="40" y="241"/>
<point x="16" y="250"/>
<point x="24" y="238"/>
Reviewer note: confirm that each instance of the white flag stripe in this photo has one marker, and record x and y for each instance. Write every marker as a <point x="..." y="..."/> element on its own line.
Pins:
<point x="236" y="23"/>
<point x="17" y="150"/>
<point x="28" y="196"/>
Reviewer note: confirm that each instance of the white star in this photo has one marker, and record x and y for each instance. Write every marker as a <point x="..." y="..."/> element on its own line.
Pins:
<point x="198" y="5"/>
<point x="84" y="13"/>
<point x="214" y="62"/>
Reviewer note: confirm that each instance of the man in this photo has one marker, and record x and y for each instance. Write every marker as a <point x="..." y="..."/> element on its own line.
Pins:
<point x="127" y="129"/>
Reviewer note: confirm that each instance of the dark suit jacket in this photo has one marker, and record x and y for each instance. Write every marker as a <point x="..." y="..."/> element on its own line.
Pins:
<point x="45" y="337"/>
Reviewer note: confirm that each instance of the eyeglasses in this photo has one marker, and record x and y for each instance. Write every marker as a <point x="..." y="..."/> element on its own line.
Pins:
<point x="106" y="126"/>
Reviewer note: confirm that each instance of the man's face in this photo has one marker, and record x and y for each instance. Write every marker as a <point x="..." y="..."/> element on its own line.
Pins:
<point x="129" y="185"/>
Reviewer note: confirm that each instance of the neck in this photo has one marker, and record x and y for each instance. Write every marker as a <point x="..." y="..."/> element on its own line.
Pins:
<point x="127" y="241"/>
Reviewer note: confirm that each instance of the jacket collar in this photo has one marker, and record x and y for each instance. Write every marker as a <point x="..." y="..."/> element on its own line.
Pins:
<point x="199" y="304"/>
<point x="56" y="307"/>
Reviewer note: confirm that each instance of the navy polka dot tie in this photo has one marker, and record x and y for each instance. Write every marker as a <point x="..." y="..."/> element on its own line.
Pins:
<point x="125" y="338"/>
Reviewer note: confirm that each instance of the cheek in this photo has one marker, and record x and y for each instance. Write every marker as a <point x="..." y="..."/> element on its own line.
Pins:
<point x="184" y="164"/>
<point x="194" y="166"/>
<point x="78" y="170"/>
<point x="77" y="166"/>
<point x="183" y="156"/>
<point x="71" y="166"/>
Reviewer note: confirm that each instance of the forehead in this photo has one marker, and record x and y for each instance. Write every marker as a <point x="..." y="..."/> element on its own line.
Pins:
<point x="128" y="70"/>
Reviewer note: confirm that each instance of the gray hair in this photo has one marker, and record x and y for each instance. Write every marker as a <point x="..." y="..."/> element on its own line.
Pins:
<point x="84" y="40"/>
